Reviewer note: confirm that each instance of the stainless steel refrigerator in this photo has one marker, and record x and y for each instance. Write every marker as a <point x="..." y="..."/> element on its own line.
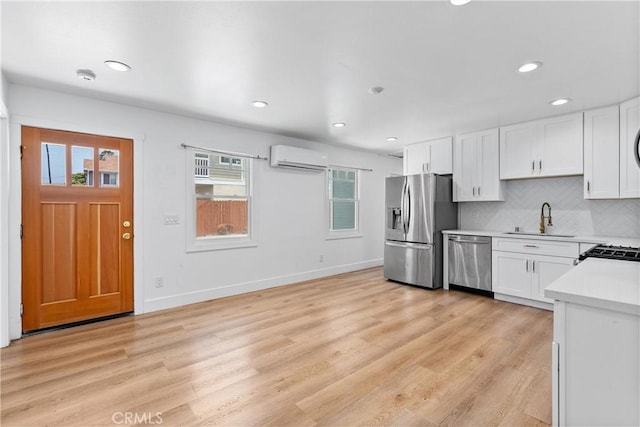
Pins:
<point x="418" y="208"/>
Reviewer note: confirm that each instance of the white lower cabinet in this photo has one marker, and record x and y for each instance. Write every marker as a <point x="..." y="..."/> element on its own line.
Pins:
<point x="526" y="267"/>
<point x="595" y="369"/>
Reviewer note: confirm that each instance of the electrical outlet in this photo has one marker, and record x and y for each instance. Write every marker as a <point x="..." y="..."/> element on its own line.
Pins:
<point x="159" y="282"/>
<point x="321" y="258"/>
<point x="171" y="220"/>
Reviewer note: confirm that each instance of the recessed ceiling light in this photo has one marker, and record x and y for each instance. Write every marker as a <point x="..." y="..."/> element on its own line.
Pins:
<point x="559" y="101"/>
<point x="459" y="2"/>
<point x="392" y="139"/>
<point x="338" y="125"/>
<point x="117" y="65"/>
<point x="529" y="66"/>
<point x="87" y="75"/>
<point x="259" y="104"/>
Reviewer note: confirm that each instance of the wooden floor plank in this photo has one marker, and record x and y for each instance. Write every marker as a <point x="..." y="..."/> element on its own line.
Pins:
<point x="352" y="349"/>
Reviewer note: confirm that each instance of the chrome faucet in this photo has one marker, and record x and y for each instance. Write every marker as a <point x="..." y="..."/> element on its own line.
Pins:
<point x="542" y="217"/>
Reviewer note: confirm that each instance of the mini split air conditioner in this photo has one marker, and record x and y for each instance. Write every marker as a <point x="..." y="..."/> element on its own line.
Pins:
<point x="285" y="156"/>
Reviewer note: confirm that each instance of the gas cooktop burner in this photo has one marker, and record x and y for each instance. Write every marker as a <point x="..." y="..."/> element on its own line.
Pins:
<point x="625" y="253"/>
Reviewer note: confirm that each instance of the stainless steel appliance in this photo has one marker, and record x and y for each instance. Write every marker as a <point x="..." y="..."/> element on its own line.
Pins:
<point x="624" y="253"/>
<point x="636" y="148"/>
<point x="418" y="208"/>
<point x="470" y="261"/>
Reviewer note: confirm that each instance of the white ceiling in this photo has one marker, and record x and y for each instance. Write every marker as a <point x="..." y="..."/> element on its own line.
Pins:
<point x="445" y="69"/>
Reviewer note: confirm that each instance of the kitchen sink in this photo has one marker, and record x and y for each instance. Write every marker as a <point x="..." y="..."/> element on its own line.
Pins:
<point x="521" y="233"/>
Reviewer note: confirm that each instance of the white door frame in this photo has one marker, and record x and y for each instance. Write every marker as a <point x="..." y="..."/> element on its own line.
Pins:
<point x="4" y="225"/>
<point x="15" y="210"/>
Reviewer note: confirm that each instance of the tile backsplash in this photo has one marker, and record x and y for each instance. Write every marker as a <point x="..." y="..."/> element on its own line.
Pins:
<point x="572" y="214"/>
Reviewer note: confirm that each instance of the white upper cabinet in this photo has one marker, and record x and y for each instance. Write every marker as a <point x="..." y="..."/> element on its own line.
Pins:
<point x="414" y="158"/>
<point x="602" y="153"/>
<point x="542" y="148"/>
<point x="476" y="167"/>
<point x="429" y="157"/>
<point x="517" y="150"/>
<point x="560" y="142"/>
<point x="629" y="169"/>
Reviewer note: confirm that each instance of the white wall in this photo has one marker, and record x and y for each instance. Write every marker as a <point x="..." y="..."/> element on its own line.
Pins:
<point x="292" y="222"/>
<point x="572" y="214"/>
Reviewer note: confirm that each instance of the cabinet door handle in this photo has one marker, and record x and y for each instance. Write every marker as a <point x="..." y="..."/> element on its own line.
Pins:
<point x="534" y="265"/>
<point x="588" y="186"/>
<point x="533" y="166"/>
<point x="530" y="246"/>
<point x="428" y="168"/>
<point x="540" y="165"/>
<point x="527" y="265"/>
<point x="478" y="191"/>
<point x="474" y="191"/>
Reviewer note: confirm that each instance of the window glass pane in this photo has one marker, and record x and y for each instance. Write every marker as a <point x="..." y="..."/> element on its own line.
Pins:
<point x="109" y="167"/>
<point x="221" y="217"/>
<point x="221" y="196"/>
<point x="81" y="166"/>
<point x="344" y="189"/>
<point x="54" y="164"/>
<point x="344" y="215"/>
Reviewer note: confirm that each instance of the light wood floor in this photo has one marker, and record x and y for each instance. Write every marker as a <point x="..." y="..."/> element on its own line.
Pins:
<point x="348" y="350"/>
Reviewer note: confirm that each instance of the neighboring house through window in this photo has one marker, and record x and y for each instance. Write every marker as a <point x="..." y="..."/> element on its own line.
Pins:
<point x="108" y="168"/>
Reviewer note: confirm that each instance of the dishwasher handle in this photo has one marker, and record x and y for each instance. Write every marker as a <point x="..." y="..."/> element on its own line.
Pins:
<point x="474" y="242"/>
<point x="467" y="239"/>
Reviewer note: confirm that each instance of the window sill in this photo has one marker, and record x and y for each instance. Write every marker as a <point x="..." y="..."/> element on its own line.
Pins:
<point x="220" y="243"/>
<point x="336" y="235"/>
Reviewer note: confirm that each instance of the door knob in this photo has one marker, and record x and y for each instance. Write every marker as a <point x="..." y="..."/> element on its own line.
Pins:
<point x="126" y="236"/>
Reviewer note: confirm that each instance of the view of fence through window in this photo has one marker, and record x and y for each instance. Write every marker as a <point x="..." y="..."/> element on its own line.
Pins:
<point x="221" y="195"/>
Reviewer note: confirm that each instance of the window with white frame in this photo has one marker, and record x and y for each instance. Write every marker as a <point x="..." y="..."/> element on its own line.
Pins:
<point x="343" y="200"/>
<point x="220" y="207"/>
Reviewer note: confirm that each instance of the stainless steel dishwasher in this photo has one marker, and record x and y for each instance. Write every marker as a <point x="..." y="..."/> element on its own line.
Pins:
<point x="470" y="261"/>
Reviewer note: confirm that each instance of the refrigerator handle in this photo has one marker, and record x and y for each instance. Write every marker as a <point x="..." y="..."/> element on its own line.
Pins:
<point x="408" y="200"/>
<point x="403" y="206"/>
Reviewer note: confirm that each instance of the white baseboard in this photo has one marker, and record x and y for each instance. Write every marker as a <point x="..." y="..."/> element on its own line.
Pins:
<point x="243" y="288"/>
<point x="523" y="301"/>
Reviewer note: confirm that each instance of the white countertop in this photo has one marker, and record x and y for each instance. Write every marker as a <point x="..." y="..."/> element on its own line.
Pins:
<point x="609" y="240"/>
<point x="602" y="283"/>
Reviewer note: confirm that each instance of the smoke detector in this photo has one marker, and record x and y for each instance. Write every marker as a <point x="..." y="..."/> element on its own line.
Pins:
<point x="87" y="75"/>
<point x="375" y="90"/>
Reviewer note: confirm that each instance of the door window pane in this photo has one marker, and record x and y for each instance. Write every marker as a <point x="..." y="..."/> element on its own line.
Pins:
<point x="54" y="164"/>
<point x="109" y="167"/>
<point x="81" y="166"/>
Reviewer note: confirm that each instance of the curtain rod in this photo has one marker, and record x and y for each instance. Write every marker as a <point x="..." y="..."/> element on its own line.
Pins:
<point x="230" y="153"/>
<point x="351" y="167"/>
